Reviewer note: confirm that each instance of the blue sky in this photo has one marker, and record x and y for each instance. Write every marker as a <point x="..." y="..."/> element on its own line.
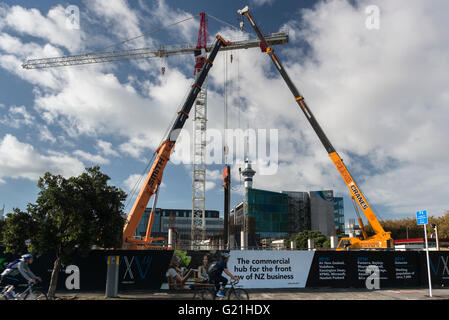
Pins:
<point x="380" y="95"/>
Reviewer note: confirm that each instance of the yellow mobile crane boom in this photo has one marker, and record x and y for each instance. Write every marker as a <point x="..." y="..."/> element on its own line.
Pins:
<point x="381" y="238"/>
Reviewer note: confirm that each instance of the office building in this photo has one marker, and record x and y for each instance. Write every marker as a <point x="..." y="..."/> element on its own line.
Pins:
<point x="322" y="212"/>
<point x="339" y="215"/>
<point x="181" y="222"/>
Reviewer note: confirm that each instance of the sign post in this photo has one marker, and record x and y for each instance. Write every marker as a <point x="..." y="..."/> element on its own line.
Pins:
<point x="421" y="219"/>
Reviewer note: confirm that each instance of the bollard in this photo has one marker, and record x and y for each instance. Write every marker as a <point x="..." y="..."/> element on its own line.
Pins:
<point x="112" y="277"/>
<point x="243" y="240"/>
<point x="292" y="245"/>
<point x="170" y="238"/>
<point x="334" y="242"/>
<point x="310" y="244"/>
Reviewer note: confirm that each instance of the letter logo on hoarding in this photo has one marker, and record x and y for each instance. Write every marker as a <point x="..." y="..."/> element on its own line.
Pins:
<point x="445" y="265"/>
<point x="73" y="280"/>
<point x="145" y="261"/>
<point x="436" y="269"/>
<point x="142" y="265"/>
<point x="128" y="267"/>
<point x="373" y="280"/>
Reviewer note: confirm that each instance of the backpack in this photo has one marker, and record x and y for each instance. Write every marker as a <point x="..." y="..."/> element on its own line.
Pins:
<point x="212" y="269"/>
<point x="12" y="263"/>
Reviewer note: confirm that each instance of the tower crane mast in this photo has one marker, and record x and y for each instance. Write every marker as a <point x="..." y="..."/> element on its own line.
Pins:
<point x="198" y="221"/>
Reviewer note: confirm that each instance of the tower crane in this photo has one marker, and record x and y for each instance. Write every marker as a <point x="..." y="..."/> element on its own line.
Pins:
<point x="202" y="66"/>
<point x="144" y="53"/>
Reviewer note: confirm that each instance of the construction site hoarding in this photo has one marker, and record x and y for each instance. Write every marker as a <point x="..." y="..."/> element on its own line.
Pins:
<point x="153" y="269"/>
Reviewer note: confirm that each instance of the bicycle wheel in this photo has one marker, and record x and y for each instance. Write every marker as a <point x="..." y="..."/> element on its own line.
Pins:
<point x="37" y="294"/>
<point x="3" y="295"/>
<point x="238" y="294"/>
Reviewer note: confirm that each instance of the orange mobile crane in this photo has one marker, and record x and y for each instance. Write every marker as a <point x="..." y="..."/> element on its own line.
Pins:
<point x="154" y="177"/>
<point x="381" y="238"/>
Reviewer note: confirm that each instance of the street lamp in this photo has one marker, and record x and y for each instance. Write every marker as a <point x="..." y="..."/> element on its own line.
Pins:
<point x="434" y="226"/>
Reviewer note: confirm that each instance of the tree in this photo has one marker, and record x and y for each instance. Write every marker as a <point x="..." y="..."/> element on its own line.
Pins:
<point x="2" y="226"/>
<point x="16" y="229"/>
<point x="320" y="240"/>
<point x="69" y="217"/>
<point x="408" y="228"/>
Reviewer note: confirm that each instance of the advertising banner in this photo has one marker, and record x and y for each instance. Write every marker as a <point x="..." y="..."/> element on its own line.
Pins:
<point x="352" y="269"/>
<point x="271" y="269"/>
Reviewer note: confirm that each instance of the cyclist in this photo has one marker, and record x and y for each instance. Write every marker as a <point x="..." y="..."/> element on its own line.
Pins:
<point x="18" y="267"/>
<point x="215" y="274"/>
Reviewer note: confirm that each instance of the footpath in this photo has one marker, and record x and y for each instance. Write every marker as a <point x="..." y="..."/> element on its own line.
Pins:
<point x="278" y="294"/>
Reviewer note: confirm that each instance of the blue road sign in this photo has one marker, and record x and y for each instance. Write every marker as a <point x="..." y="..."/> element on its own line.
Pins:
<point x="421" y="217"/>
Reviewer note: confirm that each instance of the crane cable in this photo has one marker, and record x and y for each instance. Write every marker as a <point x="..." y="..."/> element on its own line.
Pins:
<point x="162" y="28"/>
<point x="144" y="34"/>
<point x="221" y="21"/>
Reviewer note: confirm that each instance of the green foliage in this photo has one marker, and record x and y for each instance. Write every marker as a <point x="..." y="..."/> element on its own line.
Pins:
<point x="183" y="258"/>
<point x="69" y="216"/>
<point x="2" y="227"/>
<point x="320" y="240"/>
<point x="18" y="227"/>
<point x="401" y="228"/>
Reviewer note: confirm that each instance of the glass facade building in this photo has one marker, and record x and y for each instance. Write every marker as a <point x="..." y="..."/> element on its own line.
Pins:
<point x="298" y="211"/>
<point x="180" y="220"/>
<point x="267" y="213"/>
<point x="279" y="215"/>
<point x="339" y="215"/>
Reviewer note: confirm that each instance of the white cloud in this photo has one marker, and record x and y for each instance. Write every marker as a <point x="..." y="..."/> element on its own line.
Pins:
<point x="214" y="175"/>
<point x="210" y="185"/>
<point x="18" y="117"/>
<point x="262" y="2"/>
<point x="165" y="15"/>
<point x="135" y="182"/>
<point x="21" y="160"/>
<point x="16" y="52"/>
<point x="120" y="19"/>
<point x="45" y="134"/>
<point x="106" y="148"/>
<point x="93" y="103"/>
<point x="97" y="159"/>
<point x="51" y="28"/>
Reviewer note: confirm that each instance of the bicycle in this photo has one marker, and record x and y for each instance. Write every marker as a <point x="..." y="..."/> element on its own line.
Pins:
<point x="30" y="293"/>
<point x="232" y="293"/>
